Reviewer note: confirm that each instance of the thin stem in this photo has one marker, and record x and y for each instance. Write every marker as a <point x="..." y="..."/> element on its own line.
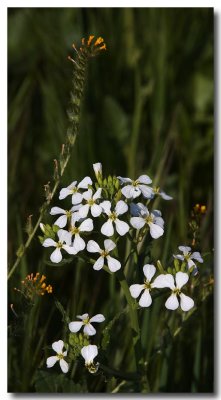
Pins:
<point x="144" y="384"/>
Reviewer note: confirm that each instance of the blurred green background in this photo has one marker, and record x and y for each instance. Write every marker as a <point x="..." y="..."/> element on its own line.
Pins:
<point x="148" y="108"/>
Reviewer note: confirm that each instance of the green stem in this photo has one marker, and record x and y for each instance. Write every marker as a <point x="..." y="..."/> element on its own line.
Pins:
<point x="144" y="384"/>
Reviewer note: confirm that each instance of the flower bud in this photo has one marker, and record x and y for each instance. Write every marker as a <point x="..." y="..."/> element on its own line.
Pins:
<point x="98" y="170"/>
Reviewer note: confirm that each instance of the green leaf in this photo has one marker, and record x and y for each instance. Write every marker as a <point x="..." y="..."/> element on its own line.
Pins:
<point x="50" y="382"/>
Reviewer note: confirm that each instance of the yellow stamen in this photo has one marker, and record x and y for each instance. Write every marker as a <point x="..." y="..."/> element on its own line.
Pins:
<point x="99" y="41"/>
<point x="91" y="37"/>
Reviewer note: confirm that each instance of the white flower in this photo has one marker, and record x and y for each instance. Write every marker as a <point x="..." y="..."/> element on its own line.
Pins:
<point x="73" y="189"/>
<point x="97" y="169"/>
<point x="89" y="353"/>
<point x="133" y="189"/>
<point x="58" y="347"/>
<point x="189" y="257"/>
<point x="89" y="330"/>
<point x="156" y="190"/>
<point x="136" y="289"/>
<point x="109" y="245"/>
<point x="121" y="227"/>
<point x="76" y="231"/>
<point x="64" y="237"/>
<point x="96" y="209"/>
<point x="153" y="219"/>
<point x="61" y="221"/>
<point x="167" y="280"/>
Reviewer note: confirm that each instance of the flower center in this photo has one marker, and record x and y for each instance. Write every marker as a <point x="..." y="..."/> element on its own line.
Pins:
<point x="135" y="183"/>
<point x="113" y="216"/>
<point x="147" y="285"/>
<point x="104" y="253"/>
<point x="60" y="356"/>
<point x="86" y="321"/>
<point x="91" y="202"/>
<point x="59" y="245"/>
<point x="149" y="219"/>
<point x="176" y="291"/>
<point x="74" y="230"/>
<point x="156" y="189"/>
<point x="69" y="214"/>
<point x="74" y="190"/>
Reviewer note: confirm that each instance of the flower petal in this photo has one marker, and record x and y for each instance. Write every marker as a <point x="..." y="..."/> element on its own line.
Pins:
<point x="147" y="191"/>
<point x="178" y="256"/>
<point x="72" y="185"/>
<point x="89" y="353"/>
<point x="51" y="361"/>
<point x="97" y="194"/>
<point x="197" y="256"/>
<point x="136" y="289"/>
<point x="93" y="247"/>
<point x="97" y="318"/>
<point x="75" y="326"/>
<point x="96" y="210"/>
<point x="121" y="227"/>
<point x="163" y="281"/>
<point x="184" y="249"/>
<point x="109" y="245"/>
<point x="165" y="196"/>
<point x="87" y="195"/>
<point x="144" y="179"/>
<point x="113" y="264"/>
<point x="64" y="366"/>
<point x="124" y="180"/>
<point x="106" y="206"/>
<point x="89" y="330"/>
<point x="76" y="198"/>
<point x="149" y="271"/>
<point x="85" y="182"/>
<point x="57" y="210"/>
<point x="61" y="221"/>
<point x="186" y="303"/>
<point x="107" y="228"/>
<point x="63" y="235"/>
<point x="69" y="249"/>
<point x="172" y="302"/>
<point x="83" y="211"/>
<point x="64" y="193"/>
<point x="58" y="346"/>
<point x="79" y="243"/>
<point x="83" y="316"/>
<point x="137" y="222"/>
<point x="56" y="256"/>
<point x="87" y="225"/>
<point x="181" y="279"/>
<point x="145" y="300"/>
<point x="130" y="192"/>
<point x="155" y="230"/>
<point x="99" y="264"/>
<point x="49" y="243"/>
<point x="121" y="207"/>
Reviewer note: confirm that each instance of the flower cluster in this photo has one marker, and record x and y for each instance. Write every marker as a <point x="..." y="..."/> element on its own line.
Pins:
<point x="35" y="285"/>
<point x="110" y="204"/>
<point x="88" y="352"/>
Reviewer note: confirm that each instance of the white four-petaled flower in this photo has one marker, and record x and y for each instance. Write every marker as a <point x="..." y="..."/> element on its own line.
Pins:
<point x="109" y="245"/>
<point x="136" y="289"/>
<point x="89" y="330"/>
<point x="133" y="189"/>
<point x="89" y="353"/>
<point x="122" y="227"/>
<point x="58" y="347"/>
<point x="73" y="189"/>
<point x="189" y="257"/>
<point x="64" y="237"/>
<point x="76" y="231"/>
<point x="175" y="284"/>
<point x="62" y="220"/>
<point x="153" y="219"/>
<point x="91" y="199"/>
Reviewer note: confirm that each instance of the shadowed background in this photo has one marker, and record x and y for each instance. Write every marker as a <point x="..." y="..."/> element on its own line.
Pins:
<point x="148" y="108"/>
